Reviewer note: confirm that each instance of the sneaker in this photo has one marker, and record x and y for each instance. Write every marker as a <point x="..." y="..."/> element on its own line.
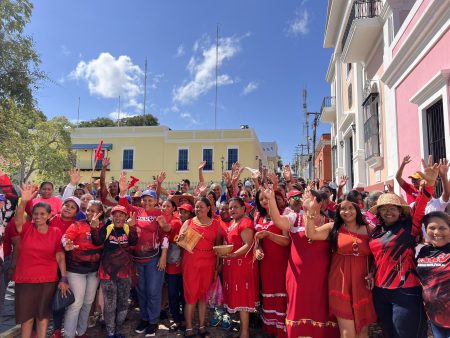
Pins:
<point x="226" y="322"/>
<point x="176" y="326"/>
<point x="142" y="326"/>
<point x="150" y="331"/>
<point x="216" y="318"/>
<point x="56" y="334"/>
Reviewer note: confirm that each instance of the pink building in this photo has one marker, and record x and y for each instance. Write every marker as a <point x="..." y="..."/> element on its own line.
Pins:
<point x="417" y="72"/>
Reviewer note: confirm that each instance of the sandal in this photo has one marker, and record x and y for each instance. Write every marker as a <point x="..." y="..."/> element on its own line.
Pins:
<point x="203" y="332"/>
<point x="189" y="333"/>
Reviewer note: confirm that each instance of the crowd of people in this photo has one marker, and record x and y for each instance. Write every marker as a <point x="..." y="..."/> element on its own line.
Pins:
<point x="307" y="260"/>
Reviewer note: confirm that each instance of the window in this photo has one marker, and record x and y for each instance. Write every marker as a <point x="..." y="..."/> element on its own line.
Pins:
<point x="371" y="126"/>
<point x="208" y="157"/>
<point x="350" y="95"/>
<point x="436" y="135"/>
<point x="349" y="68"/>
<point x="232" y="157"/>
<point x="182" y="164"/>
<point x="320" y="170"/>
<point x="127" y="160"/>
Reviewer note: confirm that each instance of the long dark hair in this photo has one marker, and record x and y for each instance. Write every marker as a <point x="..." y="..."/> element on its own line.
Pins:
<point x="208" y="204"/>
<point x="262" y="211"/>
<point x="338" y="222"/>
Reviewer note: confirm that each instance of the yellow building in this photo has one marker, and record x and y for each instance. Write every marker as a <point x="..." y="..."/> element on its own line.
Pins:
<point x="143" y="152"/>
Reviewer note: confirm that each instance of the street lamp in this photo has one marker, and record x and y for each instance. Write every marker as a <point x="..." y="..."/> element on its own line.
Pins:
<point x="221" y="160"/>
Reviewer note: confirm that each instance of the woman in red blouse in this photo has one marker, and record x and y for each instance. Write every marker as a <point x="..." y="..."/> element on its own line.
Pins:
<point x="240" y="274"/>
<point x="41" y="254"/>
<point x="397" y="293"/>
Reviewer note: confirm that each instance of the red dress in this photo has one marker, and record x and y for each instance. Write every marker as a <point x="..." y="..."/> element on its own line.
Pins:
<point x="240" y="274"/>
<point x="199" y="266"/>
<point x="307" y="287"/>
<point x="348" y="296"/>
<point x="273" y="280"/>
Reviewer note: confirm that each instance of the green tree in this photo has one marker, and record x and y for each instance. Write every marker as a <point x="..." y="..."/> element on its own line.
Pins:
<point x="32" y="146"/>
<point x="98" y="122"/>
<point x="139" y="120"/>
<point x="19" y="62"/>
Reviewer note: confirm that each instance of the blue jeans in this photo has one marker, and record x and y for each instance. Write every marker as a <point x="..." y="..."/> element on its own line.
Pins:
<point x="401" y="312"/>
<point x="176" y="297"/>
<point x="84" y="288"/>
<point x="440" y="332"/>
<point x="149" y="290"/>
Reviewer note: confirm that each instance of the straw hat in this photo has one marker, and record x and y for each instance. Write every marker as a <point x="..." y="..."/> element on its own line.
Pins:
<point x="222" y="250"/>
<point x="390" y="199"/>
<point x="187" y="197"/>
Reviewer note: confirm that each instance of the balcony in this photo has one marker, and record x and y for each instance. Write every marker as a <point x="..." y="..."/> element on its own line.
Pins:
<point x="328" y="109"/>
<point x="363" y="29"/>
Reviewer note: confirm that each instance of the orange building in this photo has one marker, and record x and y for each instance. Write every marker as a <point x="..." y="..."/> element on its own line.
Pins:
<point x="322" y="163"/>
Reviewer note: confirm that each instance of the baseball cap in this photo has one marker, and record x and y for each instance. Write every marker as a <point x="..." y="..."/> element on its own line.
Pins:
<point x="293" y="193"/>
<point x="151" y="193"/>
<point x="74" y="199"/>
<point x="120" y="208"/>
<point x="415" y="176"/>
<point x="186" y="207"/>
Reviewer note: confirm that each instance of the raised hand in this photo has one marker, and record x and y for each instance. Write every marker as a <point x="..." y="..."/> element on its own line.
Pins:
<point x="123" y="184"/>
<point x="202" y="165"/>
<point x="256" y="175"/>
<point x="287" y="173"/>
<point x="202" y="188"/>
<point x="406" y="160"/>
<point x="75" y="176"/>
<point x="430" y="171"/>
<point x="227" y="178"/>
<point x="343" y="181"/>
<point x="161" y="177"/>
<point x="443" y="169"/>
<point x="69" y="246"/>
<point x="28" y="192"/>
<point x="311" y="206"/>
<point x="106" y="162"/>
<point x="95" y="221"/>
<point x="132" y="219"/>
<point x="273" y="178"/>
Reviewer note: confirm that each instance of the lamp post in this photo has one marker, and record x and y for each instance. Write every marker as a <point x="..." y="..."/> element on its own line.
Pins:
<point x="221" y="160"/>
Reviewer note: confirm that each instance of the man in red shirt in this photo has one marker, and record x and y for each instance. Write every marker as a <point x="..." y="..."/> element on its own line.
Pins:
<point x="411" y="190"/>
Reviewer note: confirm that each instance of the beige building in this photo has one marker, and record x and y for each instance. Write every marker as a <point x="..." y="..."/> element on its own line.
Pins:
<point x="145" y="151"/>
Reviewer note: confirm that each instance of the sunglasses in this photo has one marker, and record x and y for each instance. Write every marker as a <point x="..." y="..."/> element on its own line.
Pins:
<point x="296" y="198"/>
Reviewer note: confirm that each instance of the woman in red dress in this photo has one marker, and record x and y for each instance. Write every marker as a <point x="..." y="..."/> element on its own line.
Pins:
<point x="272" y="250"/>
<point x="306" y="279"/>
<point x="349" y="294"/>
<point x="200" y="266"/>
<point x="240" y="274"/>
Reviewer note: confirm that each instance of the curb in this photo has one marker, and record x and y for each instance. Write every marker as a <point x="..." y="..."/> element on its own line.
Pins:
<point x="11" y="333"/>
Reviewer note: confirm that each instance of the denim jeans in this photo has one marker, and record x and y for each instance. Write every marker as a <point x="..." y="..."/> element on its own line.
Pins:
<point x="401" y="312"/>
<point x="149" y="290"/>
<point x="84" y="288"/>
<point x="440" y="332"/>
<point x="176" y="297"/>
<point x="115" y="295"/>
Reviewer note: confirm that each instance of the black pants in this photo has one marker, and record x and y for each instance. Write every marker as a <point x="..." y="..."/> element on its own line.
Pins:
<point x="176" y="297"/>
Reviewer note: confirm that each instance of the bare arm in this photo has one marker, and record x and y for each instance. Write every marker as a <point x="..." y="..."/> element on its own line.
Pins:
<point x="282" y="240"/>
<point x="280" y="221"/>
<point x="443" y="173"/>
<point x="28" y="192"/>
<point x="341" y="186"/>
<point x="247" y="238"/>
<point x="399" y="174"/>
<point x="200" y="172"/>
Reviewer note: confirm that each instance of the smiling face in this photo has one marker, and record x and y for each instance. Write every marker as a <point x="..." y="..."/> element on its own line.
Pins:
<point x="389" y="213"/>
<point x="119" y="218"/>
<point x="237" y="211"/>
<point x="201" y="209"/>
<point x="347" y="211"/>
<point x="184" y="215"/>
<point x="167" y="208"/>
<point x="148" y="202"/>
<point x="84" y="201"/>
<point x="264" y="201"/>
<point x="69" y="210"/>
<point x="40" y="216"/>
<point x="46" y="190"/>
<point x="91" y="211"/>
<point x="224" y="212"/>
<point x="113" y="188"/>
<point x="438" y="231"/>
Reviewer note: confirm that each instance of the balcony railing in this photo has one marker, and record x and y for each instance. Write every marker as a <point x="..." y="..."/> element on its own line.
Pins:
<point x="328" y="102"/>
<point x="372" y="137"/>
<point x="362" y="9"/>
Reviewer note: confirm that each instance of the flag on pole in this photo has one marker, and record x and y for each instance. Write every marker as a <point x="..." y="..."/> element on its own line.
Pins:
<point x="133" y="182"/>
<point x="99" y="152"/>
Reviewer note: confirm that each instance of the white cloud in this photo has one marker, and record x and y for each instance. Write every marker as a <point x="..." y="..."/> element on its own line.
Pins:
<point x="156" y="79"/>
<point x="180" y="51"/>
<point x="65" y="50"/>
<point x="191" y="121"/>
<point x="252" y="86"/>
<point x="116" y="115"/>
<point x="111" y="77"/>
<point x="300" y="24"/>
<point x="202" y="68"/>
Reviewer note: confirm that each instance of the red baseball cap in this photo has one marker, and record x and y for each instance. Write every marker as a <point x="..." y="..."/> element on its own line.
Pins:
<point x="186" y="206"/>
<point x="119" y="208"/>
<point x="293" y="193"/>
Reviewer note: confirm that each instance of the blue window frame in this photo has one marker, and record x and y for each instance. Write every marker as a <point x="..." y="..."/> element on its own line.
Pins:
<point x="232" y="157"/>
<point x="127" y="162"/>
<point x="208" y="157"/>
<point x="182" y="164"/>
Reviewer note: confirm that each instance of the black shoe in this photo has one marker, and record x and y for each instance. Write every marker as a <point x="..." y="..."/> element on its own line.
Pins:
<point x="150" y="331"/>
<point x="176" y="326"/>
<point x="142" y="326"/>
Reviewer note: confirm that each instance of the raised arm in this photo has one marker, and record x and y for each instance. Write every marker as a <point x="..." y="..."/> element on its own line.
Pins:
<point x="280" y="221"/>
<point x="399" y="174"/>
<point x="103" y="188"/>
<point x="28" y="192"/>
<point x="443" y="173"/>
<point x="159" y="181"/>
<point x="312" y="219"/>
<point x="75" y="177"/>
<point x="200" y="172"/>
<point x="342" y="184"/>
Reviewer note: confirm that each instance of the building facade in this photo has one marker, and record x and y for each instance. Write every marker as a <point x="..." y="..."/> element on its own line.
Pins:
<point x="270" y="150"/>
<point x="145" y="151"/>
<point x="322" y="161"/>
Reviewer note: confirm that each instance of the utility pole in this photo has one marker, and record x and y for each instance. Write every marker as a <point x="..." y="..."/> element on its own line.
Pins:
<point x="315" y="124"/>
<point x="78" y="114"/>
<point x="217" y="74"/>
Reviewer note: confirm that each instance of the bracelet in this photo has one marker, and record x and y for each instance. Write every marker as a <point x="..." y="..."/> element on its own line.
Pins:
<point x="64" y="279"/>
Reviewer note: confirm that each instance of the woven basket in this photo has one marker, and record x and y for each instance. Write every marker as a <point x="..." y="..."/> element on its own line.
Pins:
<point x="222" y="250"/>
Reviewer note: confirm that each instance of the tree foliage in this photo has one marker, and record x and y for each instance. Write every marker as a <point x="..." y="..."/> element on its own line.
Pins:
<point x="19" y="62"/>
<point x="32" y="146"/>
<point x="139" y="120"/>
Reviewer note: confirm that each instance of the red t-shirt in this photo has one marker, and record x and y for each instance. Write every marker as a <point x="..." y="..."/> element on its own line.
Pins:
<point x="175" y="223"/>
<point x="59" y="223"/>
<point x="411" y="192"/>
<point x="37" y="259"/>
<point x="54" y="202"/>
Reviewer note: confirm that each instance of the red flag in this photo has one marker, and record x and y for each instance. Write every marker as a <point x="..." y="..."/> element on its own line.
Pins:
<point x="99" y="152"/>
<point x="133" y="182"/>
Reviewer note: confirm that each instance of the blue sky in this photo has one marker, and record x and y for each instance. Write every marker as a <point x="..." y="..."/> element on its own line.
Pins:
<point x="268" y="52"/>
